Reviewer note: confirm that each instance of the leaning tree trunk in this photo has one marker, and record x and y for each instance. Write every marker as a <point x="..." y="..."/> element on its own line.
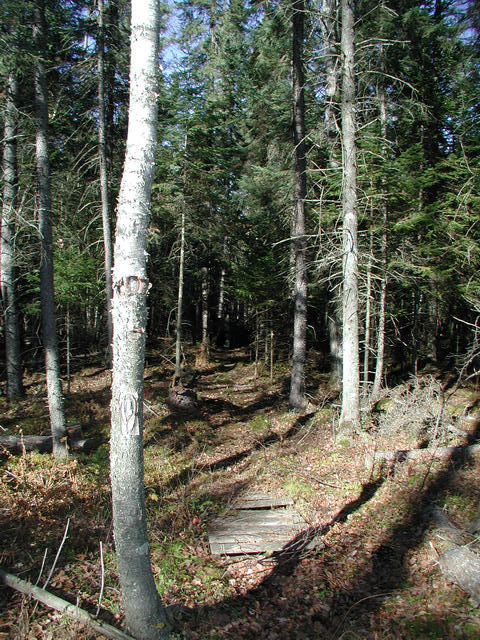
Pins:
<point x="145" y="616"/>
<point x="9" y="210"/>
<point x="49" y="329"/>
<point x="297" y="380"/>
<point x="104" y="191"/>
<point x="350" y="416"/>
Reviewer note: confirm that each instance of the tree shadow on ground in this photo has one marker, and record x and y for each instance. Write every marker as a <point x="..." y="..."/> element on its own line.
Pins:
<point x="265" y="401"/>
<point x="282" y="605"/>
<point x="187" y="474"/>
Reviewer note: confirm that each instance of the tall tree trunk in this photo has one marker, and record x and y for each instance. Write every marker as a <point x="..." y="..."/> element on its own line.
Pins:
<point x="104" y="190"/>
<point x="328" y="25"/>
<point x="114" y="39"/>
<point x="297" y="381"/>
<point x="205" y="340"/>
<point x="379" y="365"/>
<point x="178" y="337"/>
<point x="368" y="315"/>
<point x="350" y="416"/>
<point x="49" y="329"/>
<point x="145" y="615"/>
<point x="9" y="210"/>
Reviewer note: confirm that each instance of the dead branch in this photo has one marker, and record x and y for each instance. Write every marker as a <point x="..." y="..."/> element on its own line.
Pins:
<point x="68" y="609"/>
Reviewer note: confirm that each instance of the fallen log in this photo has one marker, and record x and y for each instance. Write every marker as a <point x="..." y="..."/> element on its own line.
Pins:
<point x="458" y="561"/>
<point x="68" y="609"/>
<point x="455" y="452"/>
<point x="461" y="565"/>
<point x="43" y="444"/>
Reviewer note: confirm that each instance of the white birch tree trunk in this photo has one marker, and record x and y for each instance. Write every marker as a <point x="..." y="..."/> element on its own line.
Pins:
<point x="9" y="212"/>
<point x="44" y="206"/>
<point x="145" y="616"/>
<point x="350" y="416"/>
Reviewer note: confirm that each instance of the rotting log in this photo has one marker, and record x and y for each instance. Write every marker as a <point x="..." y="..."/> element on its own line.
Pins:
<point x="68" y="609"/>
<point x="458" y="561"/>
<point x="460" y="451"/>
<point x="43" y="444"/>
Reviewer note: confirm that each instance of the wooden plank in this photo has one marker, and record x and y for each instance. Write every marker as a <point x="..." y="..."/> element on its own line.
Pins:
<point x="262" y="501"/>
<point x="236" y="548"/>
<point x="246" y="520"/>
<point x="254" y="530"/>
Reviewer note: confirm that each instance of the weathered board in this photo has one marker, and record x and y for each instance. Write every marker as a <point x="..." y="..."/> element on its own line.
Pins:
<point x="257" y="524"/>
<point x="262" y="501"/>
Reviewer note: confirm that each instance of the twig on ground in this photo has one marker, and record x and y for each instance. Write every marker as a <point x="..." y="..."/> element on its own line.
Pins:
<point x="315" y="478"/>
<point x="42" y="567"/>
<point x="58" y="554"/>
<point x="148" y="406"/>
<point x="102" y="580"/>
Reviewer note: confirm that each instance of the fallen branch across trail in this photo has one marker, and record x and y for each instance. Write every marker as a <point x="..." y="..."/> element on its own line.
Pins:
<point x="68" y="609"/>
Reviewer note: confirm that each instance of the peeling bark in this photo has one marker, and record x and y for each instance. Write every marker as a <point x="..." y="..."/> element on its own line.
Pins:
<point x="145" y="615"/>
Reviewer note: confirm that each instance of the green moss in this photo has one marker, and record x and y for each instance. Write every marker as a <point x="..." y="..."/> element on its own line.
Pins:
<point x="261" y="423"/>
<point x="429" y="627"/>
<point x="296" y="488"/>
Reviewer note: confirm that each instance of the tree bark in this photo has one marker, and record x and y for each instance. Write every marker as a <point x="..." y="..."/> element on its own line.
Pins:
<point x="350" y="416"/>
<point x="9" y="211"/>
<point x="145" y="615"/>
<point x="104" y="190"/>
<point x="297" y="380"/>
<point x="44" y="205"/>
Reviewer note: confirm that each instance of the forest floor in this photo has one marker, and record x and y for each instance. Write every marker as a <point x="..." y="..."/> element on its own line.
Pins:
<point x="373" y="574"/>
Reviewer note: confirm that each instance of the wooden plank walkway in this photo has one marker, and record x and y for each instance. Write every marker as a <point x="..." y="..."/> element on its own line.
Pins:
<point x="258" y="523"/>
